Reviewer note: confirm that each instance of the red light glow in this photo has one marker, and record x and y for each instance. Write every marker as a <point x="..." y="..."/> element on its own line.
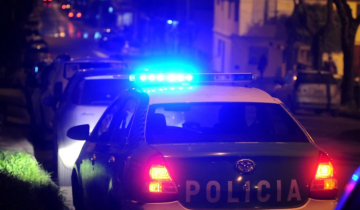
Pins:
<point x="63" y="6"/>
<point x="155" y="187"/>
<point x="78" y="15"/>
<point x="159" y="172"/>
<point x="324" y="170"/>
<point x="71" y="14"/>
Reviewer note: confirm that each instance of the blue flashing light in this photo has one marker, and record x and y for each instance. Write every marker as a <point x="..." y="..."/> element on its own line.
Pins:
<point x="86" y="35"/>
<point x="162" y="89"/>
<point x="142" y="77"/>
<point x="189" y="77"/>
<point x="180" y="77"/>
<point x="111" y="10"/>
<point x="152" y="77"/>
<point x="355" y="177"/>
<point x="171" y="78"/>
<point x="97" y="35"/>
<point x="160" y="77"/>
<point x="169" y="22"/>
<point x="36" y="69"/>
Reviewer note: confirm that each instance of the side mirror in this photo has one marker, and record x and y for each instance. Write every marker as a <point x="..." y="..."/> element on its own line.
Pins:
<point x="49" y="101"/>
<point x="58" y="87"/>
<point x="79" y="132"/>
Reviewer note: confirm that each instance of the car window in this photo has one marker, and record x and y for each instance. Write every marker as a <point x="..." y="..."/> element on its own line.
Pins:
<point x="98" y="92"/>
<point x="102" y="131"/>
<point x="221" y="122"/>
<point x="122" y="127"/>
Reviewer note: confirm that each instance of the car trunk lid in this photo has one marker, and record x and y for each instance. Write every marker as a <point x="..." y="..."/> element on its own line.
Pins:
<point x="214" y="175"/>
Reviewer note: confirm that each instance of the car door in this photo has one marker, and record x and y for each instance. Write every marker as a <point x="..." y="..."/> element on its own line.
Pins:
<point x="108" y="157"/>
<point x="99" y="138"/>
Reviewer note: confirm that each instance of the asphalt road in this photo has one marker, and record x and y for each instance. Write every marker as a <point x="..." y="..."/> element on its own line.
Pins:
<point x="68" y="36"/>
<point x="340" y="137"/>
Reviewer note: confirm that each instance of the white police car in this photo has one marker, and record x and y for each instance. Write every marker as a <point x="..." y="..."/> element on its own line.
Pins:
<point x="187" y="141"/>
<point x="84" y="101"/>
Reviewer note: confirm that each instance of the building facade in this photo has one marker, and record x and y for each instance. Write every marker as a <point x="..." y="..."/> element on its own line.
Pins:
<point x="246" y="30"/>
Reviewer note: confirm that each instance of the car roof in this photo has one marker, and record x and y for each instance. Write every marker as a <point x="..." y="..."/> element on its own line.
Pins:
<point x="211" y="93"/>
<point x="94" y="61"/>
<point x="104" y="71"/>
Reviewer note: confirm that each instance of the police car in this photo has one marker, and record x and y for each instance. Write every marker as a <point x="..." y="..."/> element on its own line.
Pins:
<point x="199" y="141"/>
<point x="57" y="79"/>
<point x="85" y="99"/>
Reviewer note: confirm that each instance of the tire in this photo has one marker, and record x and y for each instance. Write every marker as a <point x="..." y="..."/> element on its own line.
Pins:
<point x="78" y="198"/>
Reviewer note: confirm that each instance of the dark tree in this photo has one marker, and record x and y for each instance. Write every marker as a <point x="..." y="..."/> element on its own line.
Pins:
<point x="349" y="27"/>
<point x="312" y="19"/>
<point x="314" y="25"/>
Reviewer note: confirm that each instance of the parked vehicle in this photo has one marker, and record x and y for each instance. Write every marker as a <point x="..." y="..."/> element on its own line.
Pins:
<point x="179" y="144"/>
<point x="57" y="79"/>
<point x="311" y="90"/>
<point x="85" y="99"/>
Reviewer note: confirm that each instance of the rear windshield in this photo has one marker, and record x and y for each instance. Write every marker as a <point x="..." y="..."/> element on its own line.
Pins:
<point x="220" y="122"/>
<point x="99" y="92"/>
<point x="315" y="78"/>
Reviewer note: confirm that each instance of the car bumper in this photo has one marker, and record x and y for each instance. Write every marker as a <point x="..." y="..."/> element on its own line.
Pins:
<point x="311" y="204"/>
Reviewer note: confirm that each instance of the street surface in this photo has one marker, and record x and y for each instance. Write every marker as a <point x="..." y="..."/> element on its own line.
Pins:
<point x="338" y="136"/>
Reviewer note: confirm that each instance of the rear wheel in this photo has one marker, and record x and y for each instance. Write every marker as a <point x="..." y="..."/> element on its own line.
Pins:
<point x="78" y="199"/>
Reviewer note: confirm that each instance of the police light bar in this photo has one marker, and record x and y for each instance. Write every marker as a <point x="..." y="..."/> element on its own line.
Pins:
<point x="181" y="78"/>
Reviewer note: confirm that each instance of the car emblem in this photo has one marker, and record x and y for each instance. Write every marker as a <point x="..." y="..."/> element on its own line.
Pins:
<point x="245" y="166"/>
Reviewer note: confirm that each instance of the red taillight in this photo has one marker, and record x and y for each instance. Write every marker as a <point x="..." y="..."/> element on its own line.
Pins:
<point x="324" y="184"/>
<point x="71" y="14"/>
<point x="324" y="171"/>
<point x="78" y="15"/>
<point x="159" y="178"/>
<point x="63" y="6"/>
<point x="159" y="172"/>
